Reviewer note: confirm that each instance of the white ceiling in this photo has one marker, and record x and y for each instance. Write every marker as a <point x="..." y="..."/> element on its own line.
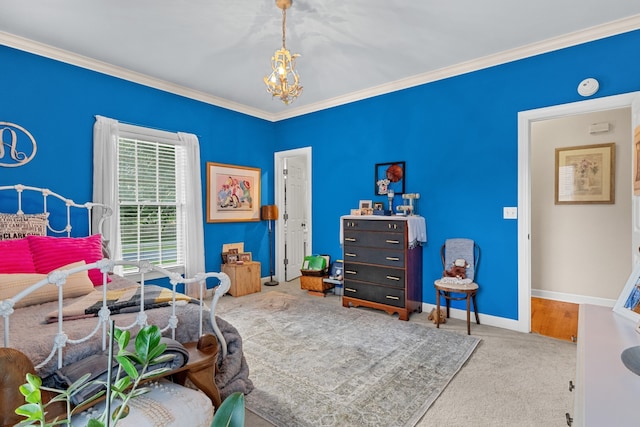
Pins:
<point x="219" y="51"/>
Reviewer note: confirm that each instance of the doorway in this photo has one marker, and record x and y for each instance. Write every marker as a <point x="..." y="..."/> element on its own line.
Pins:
<point x="293" y="197"/>
<point x="525" y="121"/>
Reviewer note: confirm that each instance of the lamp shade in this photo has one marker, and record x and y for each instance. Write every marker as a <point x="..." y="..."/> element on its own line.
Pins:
<point x="269" y="212"/>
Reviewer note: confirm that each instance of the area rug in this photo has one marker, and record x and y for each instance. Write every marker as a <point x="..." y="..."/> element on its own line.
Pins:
<point x="315" y="363"/>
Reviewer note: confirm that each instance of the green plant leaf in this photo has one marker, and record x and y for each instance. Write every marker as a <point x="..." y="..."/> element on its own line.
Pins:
<point x="26" y="389"/>
<point x="162" y="358"/>
<point x="128" y="366"/>
<point x="121" y="384"/>
<point x="157" y="351"/>
<point x="34" y="380"/>
<point x="155" y="373"/>
<point x="140" y="391"/>
<point x="122" y="337"/>
<point x="147" y="339"/>
<point x="95" y="423"/>
<point x="29" y="410"/>
<point x="231" y="412"/>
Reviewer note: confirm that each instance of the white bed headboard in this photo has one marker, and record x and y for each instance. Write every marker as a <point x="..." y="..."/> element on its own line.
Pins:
<point x="102" y="211"/>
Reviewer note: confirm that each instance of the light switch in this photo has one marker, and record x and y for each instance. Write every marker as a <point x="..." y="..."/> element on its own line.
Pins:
<point x="510" y="213"/>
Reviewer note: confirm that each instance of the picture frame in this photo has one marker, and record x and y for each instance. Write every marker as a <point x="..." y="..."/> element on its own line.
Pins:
<point x="378" y="206"/>
<point x="585" y="174"/>
<point x="232" y="258"/>
<point x="244" y="257"/>
<point x="365" y="204"/>
<point x="389" y="177"/>
<point x="233" y="193"/>
<point x="628" y="303"/>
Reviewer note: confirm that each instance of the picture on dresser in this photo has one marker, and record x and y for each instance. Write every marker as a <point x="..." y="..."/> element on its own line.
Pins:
<point x="389" y="178"/>
<point x="628" y="303"/>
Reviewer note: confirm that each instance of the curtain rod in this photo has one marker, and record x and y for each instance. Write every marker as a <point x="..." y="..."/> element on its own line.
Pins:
<point x="154" y="128"/>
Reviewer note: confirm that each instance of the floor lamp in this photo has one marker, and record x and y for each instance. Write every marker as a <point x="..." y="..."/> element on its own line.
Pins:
<point x="270" y="213"/>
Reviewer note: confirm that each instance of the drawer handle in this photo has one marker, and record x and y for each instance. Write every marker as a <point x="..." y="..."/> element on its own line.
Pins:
<point x="351" y="290"/>
<point x="569" y="419"/>
<point x="392" y="258"/>
<point x="392" y="297"/>
<point x="350" y="272"/>
<point x="395" y="242"/>
<point x="393" y="278"/>
<point x="571" y="386"/>
<point x="394" y="226"/>
<point x="349" y="254"/>
<point x="349" y="239"/>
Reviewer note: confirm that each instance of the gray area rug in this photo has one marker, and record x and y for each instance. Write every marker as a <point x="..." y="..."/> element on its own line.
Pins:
<point x="319" y="364"/>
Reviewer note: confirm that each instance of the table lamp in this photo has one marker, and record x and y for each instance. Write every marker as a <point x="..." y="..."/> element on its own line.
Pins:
<point x="270" y="214"/>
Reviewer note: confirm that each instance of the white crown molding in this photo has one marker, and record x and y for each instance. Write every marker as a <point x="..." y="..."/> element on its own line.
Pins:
<point x="594" y="33"/>
<point x="572" y="39"/>
<point x="61" y="55"/>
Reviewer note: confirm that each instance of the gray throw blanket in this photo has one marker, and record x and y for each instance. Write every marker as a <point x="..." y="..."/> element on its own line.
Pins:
<point x="233" y="372"/>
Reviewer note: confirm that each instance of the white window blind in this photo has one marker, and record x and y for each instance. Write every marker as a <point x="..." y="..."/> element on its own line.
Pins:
<point x="151" y="188"/>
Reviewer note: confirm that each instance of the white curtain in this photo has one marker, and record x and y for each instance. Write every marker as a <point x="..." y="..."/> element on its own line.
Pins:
<point x="105" y="190"/>
<point x="105" y="170"/>
<point x="194" y="250"/>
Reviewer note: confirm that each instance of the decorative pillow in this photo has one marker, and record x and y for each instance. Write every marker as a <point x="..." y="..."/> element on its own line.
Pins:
<point x="15" y="257"/>
<point x="17" y="226"/>
<point x="77" y="284"/>
<point x="50" y="253"/>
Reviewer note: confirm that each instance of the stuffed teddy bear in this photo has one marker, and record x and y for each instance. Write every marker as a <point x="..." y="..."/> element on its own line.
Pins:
<point x="458" y="269"/>
<point x="443" y="316"/>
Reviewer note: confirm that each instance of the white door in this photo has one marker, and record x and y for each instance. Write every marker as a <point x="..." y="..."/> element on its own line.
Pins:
<point x="294" y="216"/>
<point x="635" y="170"/>
<point x="293" y="196"/>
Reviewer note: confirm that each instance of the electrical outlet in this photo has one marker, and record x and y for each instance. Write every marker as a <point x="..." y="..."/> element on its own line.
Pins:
<point x="510" y="213"/>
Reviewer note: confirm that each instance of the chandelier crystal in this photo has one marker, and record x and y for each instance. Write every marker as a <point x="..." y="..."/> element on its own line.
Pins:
<point x="283" y="82"/>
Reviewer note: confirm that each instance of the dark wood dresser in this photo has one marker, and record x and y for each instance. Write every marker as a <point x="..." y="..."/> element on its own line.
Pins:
<point x="382" y="268"/>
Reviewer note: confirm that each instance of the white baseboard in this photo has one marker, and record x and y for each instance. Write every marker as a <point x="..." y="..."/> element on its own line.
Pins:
<point x="485" y="319"/>
<point x="502" y="322"/>
<point x="576" y="299"/>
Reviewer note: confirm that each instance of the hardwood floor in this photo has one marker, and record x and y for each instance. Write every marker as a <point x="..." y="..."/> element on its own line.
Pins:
<point x="555" y="319"/>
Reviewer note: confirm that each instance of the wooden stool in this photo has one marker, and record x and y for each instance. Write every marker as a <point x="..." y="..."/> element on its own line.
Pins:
<point x="468" y="292"/>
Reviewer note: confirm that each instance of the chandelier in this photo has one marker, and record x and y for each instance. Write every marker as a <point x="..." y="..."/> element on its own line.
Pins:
<point x="283" y="82"/>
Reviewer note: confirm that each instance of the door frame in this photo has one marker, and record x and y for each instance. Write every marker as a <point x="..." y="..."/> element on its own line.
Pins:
<point x="525" y="118"/>
<point x="279" y="156"/>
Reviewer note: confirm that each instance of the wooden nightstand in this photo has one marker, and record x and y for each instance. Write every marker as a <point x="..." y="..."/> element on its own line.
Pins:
<point x="245" y="278"/>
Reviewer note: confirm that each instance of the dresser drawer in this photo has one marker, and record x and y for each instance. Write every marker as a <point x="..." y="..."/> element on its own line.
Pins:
<point x="379" y="294"/>
<point x="374" y="274"/>
<point x="377" y="240"/>
<point x="396" y="226"/>
<point x="386" y="257"/>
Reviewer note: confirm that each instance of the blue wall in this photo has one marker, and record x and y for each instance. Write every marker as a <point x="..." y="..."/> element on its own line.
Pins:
<point x="57" y="103"/>
<point x="458" y="137"/>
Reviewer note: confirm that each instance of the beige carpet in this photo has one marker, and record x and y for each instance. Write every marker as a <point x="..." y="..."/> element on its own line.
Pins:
<point x="511" y="379"/>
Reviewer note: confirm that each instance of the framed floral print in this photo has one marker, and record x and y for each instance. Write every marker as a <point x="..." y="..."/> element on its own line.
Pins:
<point x="585" y="174"/>
<point x="233" y="193"/>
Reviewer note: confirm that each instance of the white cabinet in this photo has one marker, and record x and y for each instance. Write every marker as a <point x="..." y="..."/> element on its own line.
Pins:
<point x="607" y="393"/>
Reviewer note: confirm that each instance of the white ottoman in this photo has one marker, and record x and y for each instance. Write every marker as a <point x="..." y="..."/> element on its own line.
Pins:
<point x="166" y="405"/>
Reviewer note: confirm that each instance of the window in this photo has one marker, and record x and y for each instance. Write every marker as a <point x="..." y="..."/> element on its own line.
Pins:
<point x="151" y="201"/>
<point x="152" y="179"/>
